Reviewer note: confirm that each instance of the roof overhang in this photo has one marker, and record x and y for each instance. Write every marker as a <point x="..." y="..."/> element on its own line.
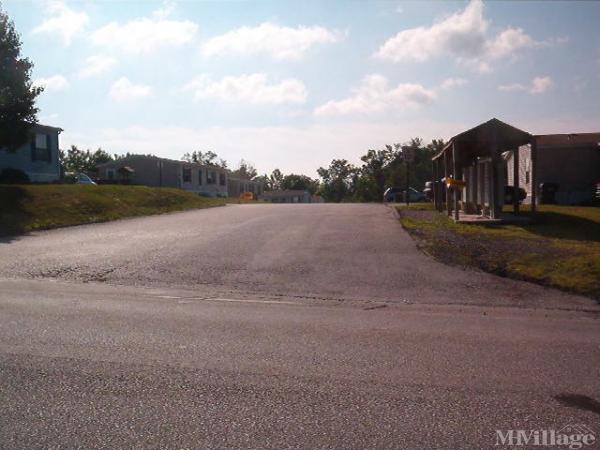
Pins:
<point x="47" y="127"/>
<point x="484" y="138"/>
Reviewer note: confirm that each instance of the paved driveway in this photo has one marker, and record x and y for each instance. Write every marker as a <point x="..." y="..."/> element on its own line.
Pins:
<point x="319" y="251"/>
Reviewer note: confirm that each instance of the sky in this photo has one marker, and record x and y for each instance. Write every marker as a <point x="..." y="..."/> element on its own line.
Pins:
<point x="293" y="85"/>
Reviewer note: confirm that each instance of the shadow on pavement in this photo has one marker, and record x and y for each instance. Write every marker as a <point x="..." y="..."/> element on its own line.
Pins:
<point x="579" y="401"/>
<point x="13" y="214"/>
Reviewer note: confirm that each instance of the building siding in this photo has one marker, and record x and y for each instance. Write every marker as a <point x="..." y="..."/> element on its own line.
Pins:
<point x="237" y="186"/>
<point x="291" y="196"/>
<point x="574" y="168"/>
<point x="161" y="172"/>
<point x="22" y="159"/>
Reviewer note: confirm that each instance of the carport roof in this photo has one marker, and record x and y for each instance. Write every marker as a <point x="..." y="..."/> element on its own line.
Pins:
<point x="479" y="140"/>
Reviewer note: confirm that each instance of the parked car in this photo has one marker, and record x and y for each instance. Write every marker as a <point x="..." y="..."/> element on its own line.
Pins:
<point x="509" y="192"/>
<point x="78" y="178"/>
<point x="82" y="178"/>
<point x="398" y="194"/>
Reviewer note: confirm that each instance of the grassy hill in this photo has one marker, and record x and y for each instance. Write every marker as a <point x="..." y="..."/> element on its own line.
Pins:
<point x="34" y="207"/>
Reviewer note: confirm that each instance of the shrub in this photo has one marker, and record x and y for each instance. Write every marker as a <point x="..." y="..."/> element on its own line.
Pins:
<point x="13" y="176"/>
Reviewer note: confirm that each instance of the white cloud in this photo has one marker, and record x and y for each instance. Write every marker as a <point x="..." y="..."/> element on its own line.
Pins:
<point x="463" y="35"/>
<point x="279" y="42"/>
<point x="165" y="10"/>
<point x="53" y="83"/>
<point x="449" y="83"/>
<point x="145" y="35"/>
<point x="252" y="88"/>
<point x="96" y="64"/>
<point x="512" y="87"/>
<point x="63" y="20"/>
<point x="124" y="90"/>
<point x="507" y="42"/>
<point x="538" y="85"/>
<point x="374" y="95"/>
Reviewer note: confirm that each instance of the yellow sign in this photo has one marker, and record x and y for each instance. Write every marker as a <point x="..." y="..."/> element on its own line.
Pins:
<point x="451" y="182"/>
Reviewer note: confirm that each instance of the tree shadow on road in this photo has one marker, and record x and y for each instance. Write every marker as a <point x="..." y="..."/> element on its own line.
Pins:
<point x="579" y="401"/>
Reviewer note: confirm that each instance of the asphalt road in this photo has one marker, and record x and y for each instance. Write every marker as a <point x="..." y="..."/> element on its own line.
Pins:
<point x="284" y="326"/>
<point x="322" y="251"/>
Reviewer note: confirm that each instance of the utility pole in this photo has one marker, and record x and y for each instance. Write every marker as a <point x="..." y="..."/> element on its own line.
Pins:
<point x="407" y="183"/>
<point x="408" y="154"/>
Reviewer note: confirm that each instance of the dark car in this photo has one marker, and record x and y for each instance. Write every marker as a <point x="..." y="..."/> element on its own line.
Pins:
<point x="397" y="194"/>
<point x="509" y="193"/>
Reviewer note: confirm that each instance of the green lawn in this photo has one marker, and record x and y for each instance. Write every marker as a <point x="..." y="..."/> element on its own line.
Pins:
<point x="561" y="248"/>
<point x="33" y="207"/>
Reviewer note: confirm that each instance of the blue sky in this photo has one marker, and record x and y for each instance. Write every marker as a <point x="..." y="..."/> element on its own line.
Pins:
<point x="295" y="84"/>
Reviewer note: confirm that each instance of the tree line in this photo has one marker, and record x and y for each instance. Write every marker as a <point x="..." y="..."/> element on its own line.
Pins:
<point x="341" y="181"/>
<point x="380" y="169"/>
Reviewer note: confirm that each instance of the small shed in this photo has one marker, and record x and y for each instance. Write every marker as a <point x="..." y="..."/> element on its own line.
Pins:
<point x="470" y="168"/>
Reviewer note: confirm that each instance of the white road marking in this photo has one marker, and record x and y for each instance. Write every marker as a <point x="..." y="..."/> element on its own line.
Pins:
<point x="252" y="301"/>
<point x="186" y="300"/>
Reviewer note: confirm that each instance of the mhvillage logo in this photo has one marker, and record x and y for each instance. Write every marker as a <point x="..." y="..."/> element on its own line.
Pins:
<point x="572" y="436"/>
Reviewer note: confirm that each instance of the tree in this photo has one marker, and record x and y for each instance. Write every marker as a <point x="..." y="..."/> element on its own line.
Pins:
<point x="76" y="160"/>
<point x="373" y="173"/>
<point x="436" y="145"/>
<point x="208" y="158"/>
<point x="338" y="181"/>
<point x="100" y="157"/>
<point x="266" y="182"/>
<point x="17" y="94"/>
<point x="246" y="171"/>
<point x="421" y="169"/>
<point x="300" y="182"/>
<point x="190" y="157"/>
<point x="380" y="169"/>
<point x="116" y="157"/>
